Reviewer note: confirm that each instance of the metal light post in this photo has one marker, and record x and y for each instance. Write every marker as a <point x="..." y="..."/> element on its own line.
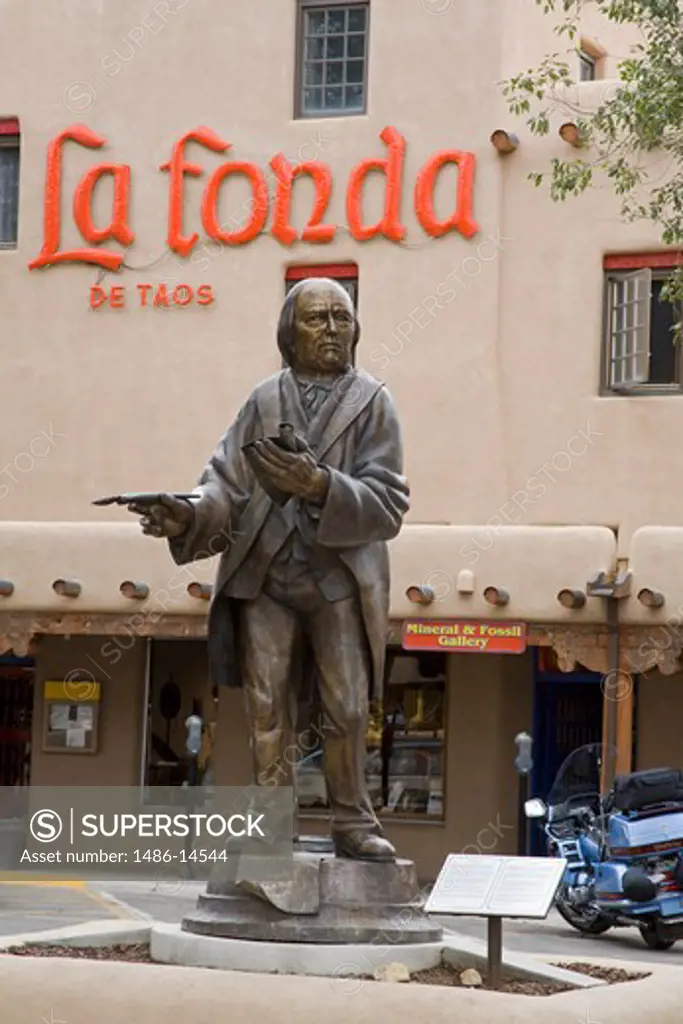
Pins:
<point x="524" y="765"/>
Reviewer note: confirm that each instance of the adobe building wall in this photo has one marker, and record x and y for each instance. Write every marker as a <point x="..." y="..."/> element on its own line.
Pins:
<point x="118" y="758"/>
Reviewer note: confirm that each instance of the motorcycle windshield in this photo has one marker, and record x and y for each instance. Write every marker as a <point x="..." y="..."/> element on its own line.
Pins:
<point x="578" y="780"/>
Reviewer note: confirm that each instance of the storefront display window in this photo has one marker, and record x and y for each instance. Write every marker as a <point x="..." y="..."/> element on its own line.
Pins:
<point x="405" y="744"/>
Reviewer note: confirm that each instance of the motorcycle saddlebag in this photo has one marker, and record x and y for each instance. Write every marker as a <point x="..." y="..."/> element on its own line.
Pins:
<point x="642" y="789"/>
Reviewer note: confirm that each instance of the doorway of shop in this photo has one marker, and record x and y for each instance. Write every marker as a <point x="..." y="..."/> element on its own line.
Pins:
<point x="180" y="713"/>
<point x="567" y="715"/>
<point x="16" y="715"/>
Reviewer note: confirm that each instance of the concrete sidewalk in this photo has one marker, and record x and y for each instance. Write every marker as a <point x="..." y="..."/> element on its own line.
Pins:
<point x="79" y="991"/>
<point x="38" y="906"/>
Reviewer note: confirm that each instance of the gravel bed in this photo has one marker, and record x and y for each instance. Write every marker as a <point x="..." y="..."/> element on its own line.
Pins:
<point x="447" y="974"/>
<point x="611" y="975"/>
<point x="138" y="953"/>
<point x="443" y="974"/>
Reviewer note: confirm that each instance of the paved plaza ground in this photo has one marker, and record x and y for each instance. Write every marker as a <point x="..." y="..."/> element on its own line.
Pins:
<point x="36" y="907"/>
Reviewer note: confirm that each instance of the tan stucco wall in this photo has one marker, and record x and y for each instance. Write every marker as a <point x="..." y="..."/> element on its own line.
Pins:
<point x="232" y="757"/>
<point x="491" y="699"/>
<point x="660" y="712"/>
<point x="507" y="365"/>
<point x="118" y="759"/>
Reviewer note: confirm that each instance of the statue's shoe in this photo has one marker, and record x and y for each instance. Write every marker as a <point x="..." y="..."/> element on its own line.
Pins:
<point x="363" y="846"/>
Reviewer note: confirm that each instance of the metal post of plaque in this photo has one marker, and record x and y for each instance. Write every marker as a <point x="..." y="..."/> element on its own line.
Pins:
<point x="496" y="888"/>
<point x="495" y="958"/>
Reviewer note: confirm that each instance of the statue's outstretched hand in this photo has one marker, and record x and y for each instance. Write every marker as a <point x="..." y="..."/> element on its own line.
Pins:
<point x="164" y="516"/>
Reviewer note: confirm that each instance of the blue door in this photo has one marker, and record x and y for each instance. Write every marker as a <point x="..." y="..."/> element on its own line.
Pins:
<point x="567" y="715"/>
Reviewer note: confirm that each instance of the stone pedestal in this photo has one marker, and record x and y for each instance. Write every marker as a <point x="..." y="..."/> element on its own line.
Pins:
<point x="327" y="900"/>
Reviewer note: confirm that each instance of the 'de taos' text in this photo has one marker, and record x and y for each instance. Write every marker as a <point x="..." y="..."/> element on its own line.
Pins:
<point x="155" y="296"/>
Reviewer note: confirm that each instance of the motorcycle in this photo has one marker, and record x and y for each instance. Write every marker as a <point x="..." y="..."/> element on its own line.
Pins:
<point x="624" y="850"/>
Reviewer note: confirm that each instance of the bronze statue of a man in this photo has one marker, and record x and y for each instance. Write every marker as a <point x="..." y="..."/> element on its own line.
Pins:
<point x="300" y="497"/>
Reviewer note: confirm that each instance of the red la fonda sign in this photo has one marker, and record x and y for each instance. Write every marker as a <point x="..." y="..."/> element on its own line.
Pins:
<point x="181" y="238"/>
<point x="464" y="637"/>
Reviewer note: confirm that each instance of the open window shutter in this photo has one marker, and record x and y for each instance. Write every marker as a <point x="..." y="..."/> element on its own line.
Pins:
<point x="641" y="282"/>
<point x="629" y="328"/>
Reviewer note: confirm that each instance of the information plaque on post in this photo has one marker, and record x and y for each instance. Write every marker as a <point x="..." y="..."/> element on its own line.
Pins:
<point x="494" y="888"/>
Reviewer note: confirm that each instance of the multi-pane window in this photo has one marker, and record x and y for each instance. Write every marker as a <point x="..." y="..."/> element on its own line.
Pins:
<point x="333" y="59"/>
<point x="9" y="182"/>
<point x="641" y="349"/>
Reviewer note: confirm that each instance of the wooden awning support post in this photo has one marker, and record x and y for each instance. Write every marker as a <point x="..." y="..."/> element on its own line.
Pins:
<point x="617" y="691"/>
<point x="609" y="704"/>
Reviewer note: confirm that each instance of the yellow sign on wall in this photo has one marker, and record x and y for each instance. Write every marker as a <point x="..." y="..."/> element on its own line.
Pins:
<point x="74" y="691"/>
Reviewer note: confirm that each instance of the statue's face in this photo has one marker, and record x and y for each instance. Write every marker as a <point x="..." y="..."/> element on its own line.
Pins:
<point x="324" y="327"/>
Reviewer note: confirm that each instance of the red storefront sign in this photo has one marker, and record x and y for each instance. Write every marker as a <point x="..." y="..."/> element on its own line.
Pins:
<point x="464" y="637"/>
<point x="181" y="239"/>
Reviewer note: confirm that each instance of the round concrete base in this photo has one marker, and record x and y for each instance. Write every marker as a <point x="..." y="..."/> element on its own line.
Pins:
<point x="169" y="944"/>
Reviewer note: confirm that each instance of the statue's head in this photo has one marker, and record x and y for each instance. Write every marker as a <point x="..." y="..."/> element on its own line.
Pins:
<point x="318" y="329"/>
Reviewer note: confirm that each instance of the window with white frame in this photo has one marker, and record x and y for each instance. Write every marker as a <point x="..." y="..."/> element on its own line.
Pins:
<point x="9" y="182"/>
<point x="641" y="350"/>
<point x="332" y="64"/>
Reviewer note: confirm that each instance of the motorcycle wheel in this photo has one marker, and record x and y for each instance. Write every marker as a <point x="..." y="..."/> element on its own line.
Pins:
<point x="653" y="939"/>
<point x="588" y="922"/>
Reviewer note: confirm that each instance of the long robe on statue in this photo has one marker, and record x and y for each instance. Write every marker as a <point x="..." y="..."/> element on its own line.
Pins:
<point x="354" y="433"/>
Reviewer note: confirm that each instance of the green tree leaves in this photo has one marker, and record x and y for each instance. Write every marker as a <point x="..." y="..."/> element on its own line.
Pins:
<point x="641" y="113"/>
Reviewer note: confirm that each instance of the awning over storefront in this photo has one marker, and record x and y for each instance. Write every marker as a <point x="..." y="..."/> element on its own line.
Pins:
<point x="656" y="561"/>
<point x="100" y="557"/>
<point x="458" y="563"/>
<point x="532" y="564"/>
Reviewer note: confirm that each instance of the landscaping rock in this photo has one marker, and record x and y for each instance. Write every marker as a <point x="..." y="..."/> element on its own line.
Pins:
<point x="392" y="972"/>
